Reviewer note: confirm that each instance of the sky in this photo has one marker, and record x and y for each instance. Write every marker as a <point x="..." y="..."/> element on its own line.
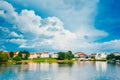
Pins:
<point x="60" y="25"/>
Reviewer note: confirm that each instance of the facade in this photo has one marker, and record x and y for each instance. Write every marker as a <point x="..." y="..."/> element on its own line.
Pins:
<point x="116" y="53"/>
<point x="44" y="55"/>
<point x="16" y="53"/>
<point x="81" y="56"/>
<point x="54" y="55"/>
<point x="33" y="55"/>
<point x="101" y="56"/>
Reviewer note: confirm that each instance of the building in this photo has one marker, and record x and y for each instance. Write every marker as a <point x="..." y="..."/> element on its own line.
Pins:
<point x="81" y="56"/>
<point x="92" y="56"/>
<point x="33" y="55"/>
<point x="16" y="53"/>
<point x="54" y="55"/>
<point x="44" y="55"/>
<point x="116" y="53"/>
<point x="101" y="56"/>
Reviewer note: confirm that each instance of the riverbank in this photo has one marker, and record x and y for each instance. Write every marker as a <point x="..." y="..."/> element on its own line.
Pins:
<point x="49" y="60"/>
<point x="38" y="60"/>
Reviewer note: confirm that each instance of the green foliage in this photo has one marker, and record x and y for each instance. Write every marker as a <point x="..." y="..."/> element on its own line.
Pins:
<point x="17" y="58"/>
<point x="65" y="55"/>
<point x="24" y="54"/>
<point x="11" y="55"/>
<point x="110" y="57"/>
<point x="4" y="57"/>
<point x="61" y="55"/>
<point x="93" y="57"/>
<point x="117" y="57"/>
<point x="44" y="59"/>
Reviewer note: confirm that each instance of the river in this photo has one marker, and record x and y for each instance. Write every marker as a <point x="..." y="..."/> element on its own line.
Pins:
<point x="84" y="70"/>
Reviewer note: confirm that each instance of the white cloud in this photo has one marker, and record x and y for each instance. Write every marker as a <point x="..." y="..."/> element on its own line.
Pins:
<point x="18" y="41"/>
<point x="50" y="32"/>
<point x="14" y="34"/>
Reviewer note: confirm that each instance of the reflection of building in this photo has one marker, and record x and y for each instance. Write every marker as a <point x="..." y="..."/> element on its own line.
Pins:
<point x="44" y="66"/>
<point x="101" y="66"/>
<point x="33" y="66"/>
<point x="101" y="56"/>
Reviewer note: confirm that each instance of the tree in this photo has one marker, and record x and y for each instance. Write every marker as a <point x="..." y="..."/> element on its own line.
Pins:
<point x="69" y="55"/>
<point x="24" y="54"/>
<point x="17" y="58"/>
<point x="65" y="55"/>
<point x="110" y="57"/>
<point x="61" y="55"/>
<point x="11" y="55"/>
<point x="117" y="57"/>
<point x="4" y="57"/>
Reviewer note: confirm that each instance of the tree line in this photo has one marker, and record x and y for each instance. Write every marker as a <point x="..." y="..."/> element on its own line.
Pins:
<point x="22" y="55"/>
<point x="65" y="55"/>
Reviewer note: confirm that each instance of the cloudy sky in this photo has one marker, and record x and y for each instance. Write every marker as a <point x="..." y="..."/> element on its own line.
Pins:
<point x="60" y="25"/>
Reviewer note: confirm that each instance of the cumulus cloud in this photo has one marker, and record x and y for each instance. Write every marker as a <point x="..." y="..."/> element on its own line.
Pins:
<point x="18" y="41"/>
<point x="29" y="30"/>
<point x="14" y="34"/>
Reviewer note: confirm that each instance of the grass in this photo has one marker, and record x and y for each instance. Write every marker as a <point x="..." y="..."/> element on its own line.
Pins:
<point x="50" y="60"/>
<point x="38" y="60"/>
<point x="44" y="60"/>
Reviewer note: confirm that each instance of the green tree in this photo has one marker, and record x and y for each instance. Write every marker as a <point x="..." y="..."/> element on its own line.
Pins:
<point x="61" y="55"/>
<point x="117" y="57"/>
<point x="11" y="55"/>
<point x="65" y="55"/>
<point x="110" y="57"/>
<point x="69" y="55"/>
<point x="24" y="54"/>
<point x="4" y="57"/>
<point x="17" y="58"/>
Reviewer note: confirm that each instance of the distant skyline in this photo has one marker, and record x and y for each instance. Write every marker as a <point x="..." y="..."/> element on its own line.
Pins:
<point x="60" y="25"/>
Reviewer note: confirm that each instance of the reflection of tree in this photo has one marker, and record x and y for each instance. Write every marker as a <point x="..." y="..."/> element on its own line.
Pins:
<point x="65" y="65"/>
<point x="21" y="68"/>
<point x="3" y="68"/>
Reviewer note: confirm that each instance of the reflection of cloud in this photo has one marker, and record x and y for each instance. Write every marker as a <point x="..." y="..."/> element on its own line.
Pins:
<point x="101" y="66"/>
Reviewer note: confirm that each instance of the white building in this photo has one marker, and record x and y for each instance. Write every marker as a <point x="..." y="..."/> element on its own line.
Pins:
<point x="33" y="55"/>
<point x="101" y="56"/>
<point x="44" y="55"/>
<point x="54" y="55"/>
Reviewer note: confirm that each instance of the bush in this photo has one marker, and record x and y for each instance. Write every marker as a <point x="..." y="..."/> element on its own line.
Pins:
<point x="17" y="58"/>
<point x="4" y="57"/>
<point x="65" y="55"/>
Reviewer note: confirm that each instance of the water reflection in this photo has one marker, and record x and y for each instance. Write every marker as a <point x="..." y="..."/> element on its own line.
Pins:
<point x="101" y="66"/>
<point x="82" y="70"/>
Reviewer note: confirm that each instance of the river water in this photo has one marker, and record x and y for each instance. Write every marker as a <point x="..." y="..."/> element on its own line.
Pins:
<point x="86" y="70"/>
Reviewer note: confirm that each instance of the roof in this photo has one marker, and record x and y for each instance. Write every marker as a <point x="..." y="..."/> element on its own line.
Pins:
<point x="45" y="53"/>
<point x="81" y="54"/>
<point x="93" y="54"/>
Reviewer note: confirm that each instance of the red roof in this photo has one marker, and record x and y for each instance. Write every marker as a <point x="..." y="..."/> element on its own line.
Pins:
<point x="81" y="54"/>
<point x="15" y="53"/>
<point x="45" y="53"/>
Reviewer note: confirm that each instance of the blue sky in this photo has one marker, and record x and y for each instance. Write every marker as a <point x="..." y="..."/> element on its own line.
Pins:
<point x="60" y="25"/>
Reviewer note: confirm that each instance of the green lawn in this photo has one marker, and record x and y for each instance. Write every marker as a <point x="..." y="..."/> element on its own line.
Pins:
<point x="45" y="60"/>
